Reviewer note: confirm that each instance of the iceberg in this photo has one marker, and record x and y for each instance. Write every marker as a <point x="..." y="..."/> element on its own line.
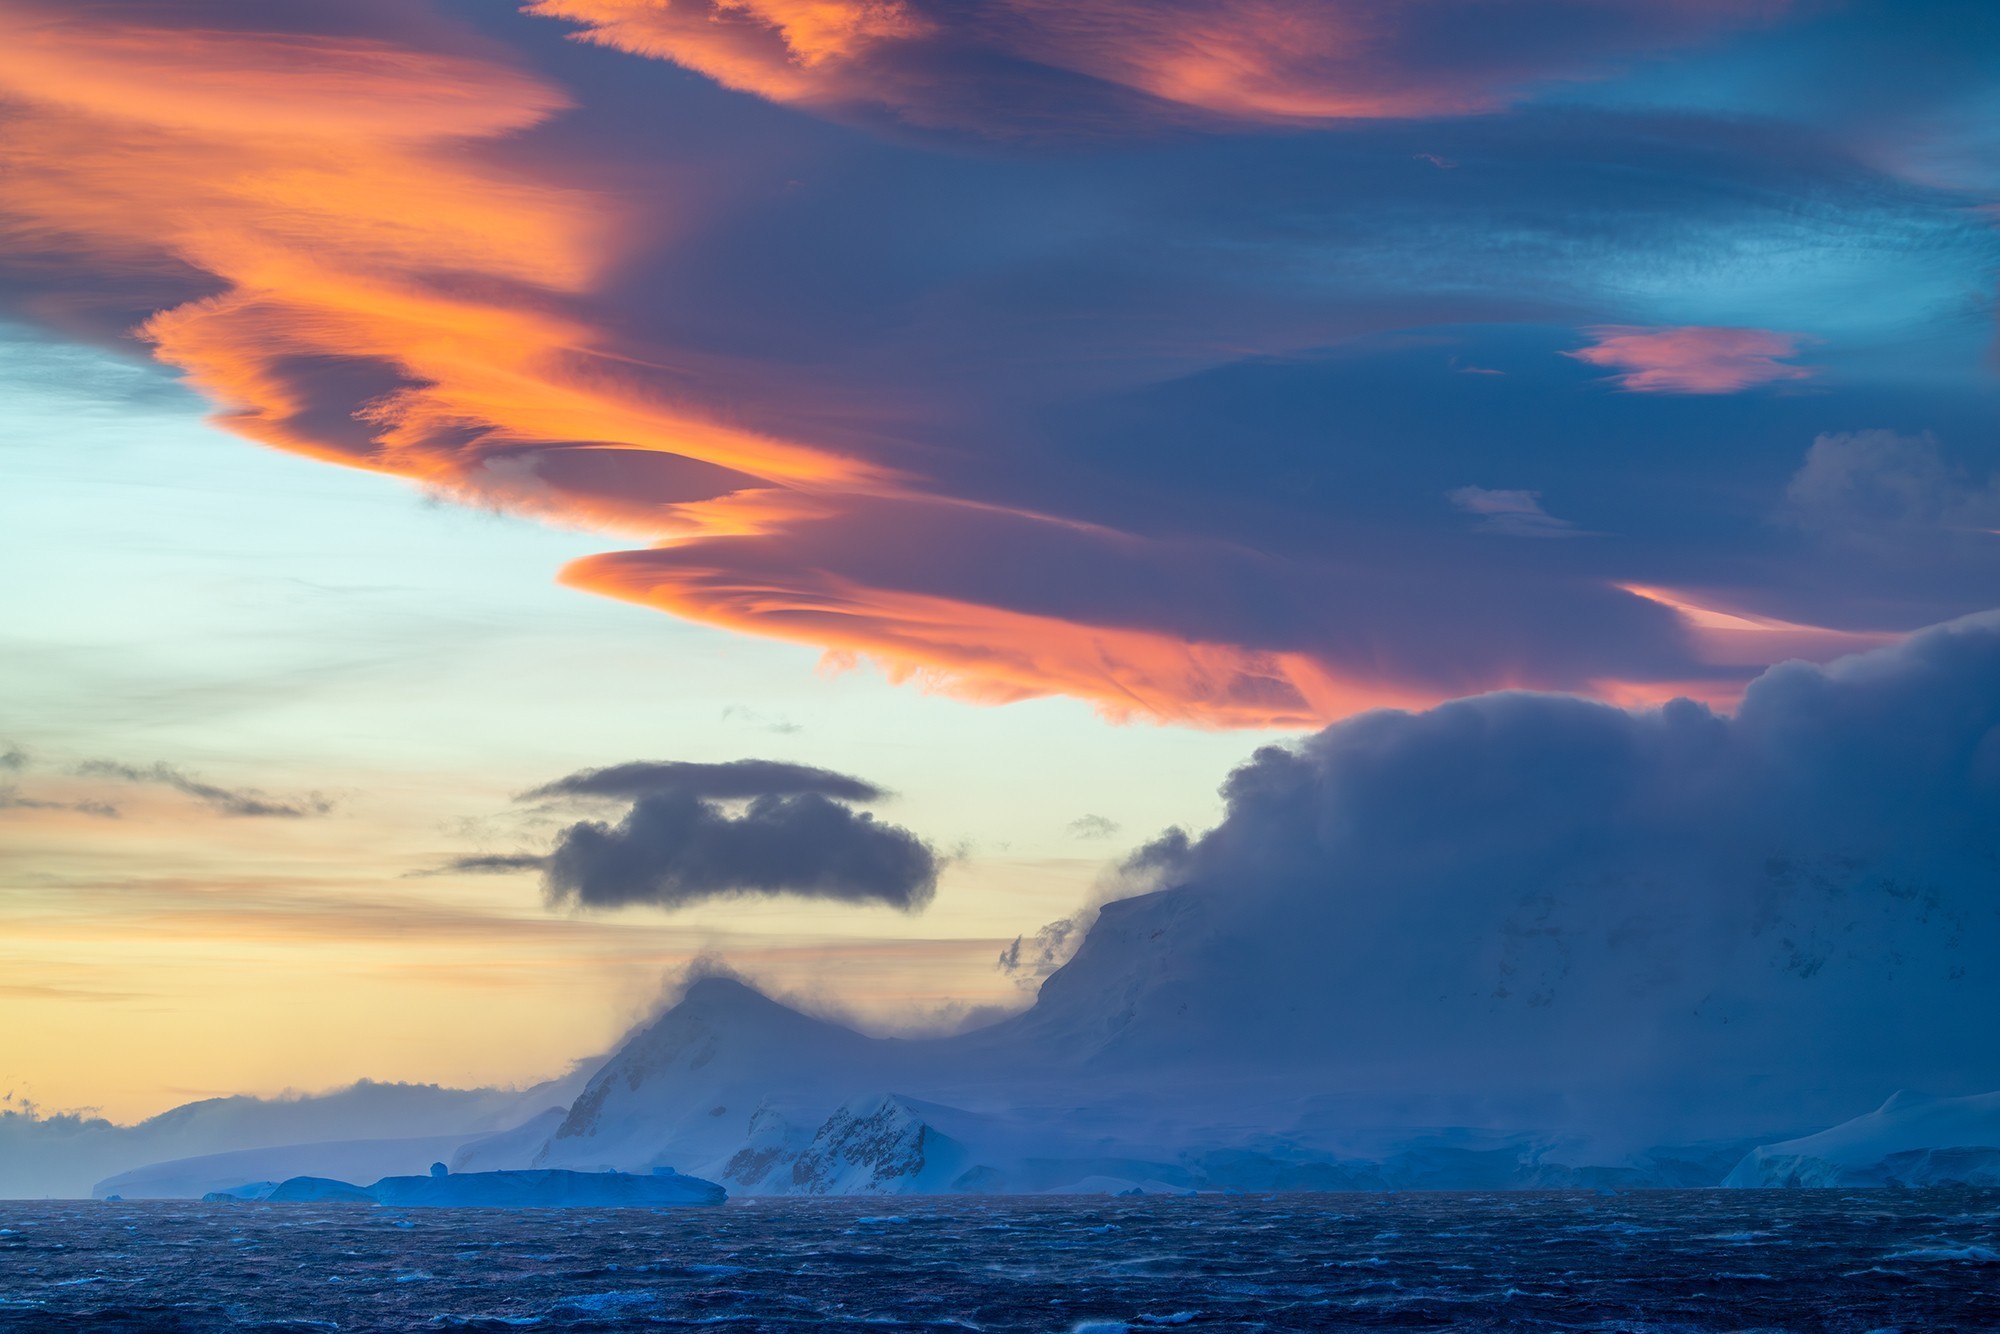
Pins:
<point x="547" y="1189"/>
<point x="255" y="1190"/>
<point x="1910" y="1140"/>
<point x="443" y="1189"/>
<point x="316" y="1190"/>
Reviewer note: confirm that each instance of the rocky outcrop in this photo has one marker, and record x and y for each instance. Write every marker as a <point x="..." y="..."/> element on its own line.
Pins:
<point x="878" y="1146"/>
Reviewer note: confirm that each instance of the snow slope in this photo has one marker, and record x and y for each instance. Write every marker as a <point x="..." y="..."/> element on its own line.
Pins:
<point x="734" y="1087"/>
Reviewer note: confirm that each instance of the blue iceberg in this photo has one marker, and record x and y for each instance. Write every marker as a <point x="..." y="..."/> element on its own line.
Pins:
<point x="538" y="1189"/>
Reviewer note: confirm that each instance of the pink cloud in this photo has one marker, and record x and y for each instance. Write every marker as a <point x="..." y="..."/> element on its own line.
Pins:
<point x="1725" y="637"/>
<point x="1258" y="61"/>
<point x="351" y="244"/>
<point x="1693" y="358"/>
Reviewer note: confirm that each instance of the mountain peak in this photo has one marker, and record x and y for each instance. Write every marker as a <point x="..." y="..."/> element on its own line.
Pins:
<point x="712" y="989"/>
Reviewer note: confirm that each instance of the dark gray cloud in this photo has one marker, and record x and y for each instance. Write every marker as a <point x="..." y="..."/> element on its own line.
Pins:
<point x="683" y="840"/>
<point x="1161" y="857"/>
<point x="1029" y="959"/>
<point x="245" y="802"/>
<point x="13" y="758"/>
<point x="1791" y="912"/>
<point x="1092" y="826"/>
<point x="735" y="780"/>
<point x="12" y="799"/>
<point x="672" y="849"/>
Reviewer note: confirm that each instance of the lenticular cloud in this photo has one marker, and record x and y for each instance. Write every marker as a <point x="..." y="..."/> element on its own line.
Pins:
<point x="1058" y="419"/>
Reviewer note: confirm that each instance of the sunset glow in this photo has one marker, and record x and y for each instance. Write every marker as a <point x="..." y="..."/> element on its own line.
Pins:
<point x="1030" y="411"/>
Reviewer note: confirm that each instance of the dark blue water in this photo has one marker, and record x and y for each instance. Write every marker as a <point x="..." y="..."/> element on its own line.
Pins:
<point x="1654" y="1261"/>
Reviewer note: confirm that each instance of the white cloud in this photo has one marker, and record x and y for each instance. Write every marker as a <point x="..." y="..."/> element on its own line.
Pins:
<point x="1511" y="513"/>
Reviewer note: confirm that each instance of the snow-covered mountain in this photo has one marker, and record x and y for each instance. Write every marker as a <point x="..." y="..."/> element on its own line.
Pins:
<point x="66" y="1155"/>
<point x="347" y="1160"/>
<point x="1512" y="940"/>
<point x="735" y="1087"/>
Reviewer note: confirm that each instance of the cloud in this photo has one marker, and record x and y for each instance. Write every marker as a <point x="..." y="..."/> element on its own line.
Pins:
<point x="1693" y="359"/>
<point x="1716" y="920"/>
<point x="763" y="722"/>
<point x="1031" y="420"/>
<point x="1732" y="637"/>
<point x="1882" y="489"/>
<point x="1030" y="959"/>
<point x="996" y="607"/>
<point x="730" y="781"/>
<point x="12" y="799"/>
<point x="1510" y="513"/>
<point x="14" y="758"/>
<point x="673" y="849"/>
<point x="695" y="832"/>
<point x="1092" y="826"/>
<point x="1021" y="66"/>
<point x="246" y="802"/>
<point x="488" y="864"/>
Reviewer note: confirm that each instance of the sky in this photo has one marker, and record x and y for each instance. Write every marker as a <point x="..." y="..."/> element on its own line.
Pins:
<point x="1004" y="419"/>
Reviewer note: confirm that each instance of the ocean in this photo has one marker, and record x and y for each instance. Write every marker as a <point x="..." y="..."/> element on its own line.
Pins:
<point x="1641" y="1261"/>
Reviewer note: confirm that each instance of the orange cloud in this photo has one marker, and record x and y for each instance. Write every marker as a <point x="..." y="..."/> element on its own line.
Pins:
<point x="333" y="188"/>
<point x="367" y="276"/>
<point x="991" y="655"/>
<point x="208" y="81"/>
<point x="786" y="50"/>
<point x="384" y="295"/>
<point x="1249" y="60"/>
<point x="1693" y="358"/>
<point x="1726" y="638"/>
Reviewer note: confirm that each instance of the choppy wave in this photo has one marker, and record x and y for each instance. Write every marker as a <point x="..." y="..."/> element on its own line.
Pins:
<point x="1662" y="1262"/>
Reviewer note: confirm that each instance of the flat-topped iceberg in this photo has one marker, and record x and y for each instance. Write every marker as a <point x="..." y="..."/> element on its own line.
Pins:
<point x="1910" y="1140"/>
<point x="535" y="1189"/>
<point x="317" y="1190"/>
<point x="545" y="1188"/>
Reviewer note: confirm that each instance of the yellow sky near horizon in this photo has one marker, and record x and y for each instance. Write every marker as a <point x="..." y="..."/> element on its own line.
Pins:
<point x="259" y="622"/>
<point x="169" y="954"/>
